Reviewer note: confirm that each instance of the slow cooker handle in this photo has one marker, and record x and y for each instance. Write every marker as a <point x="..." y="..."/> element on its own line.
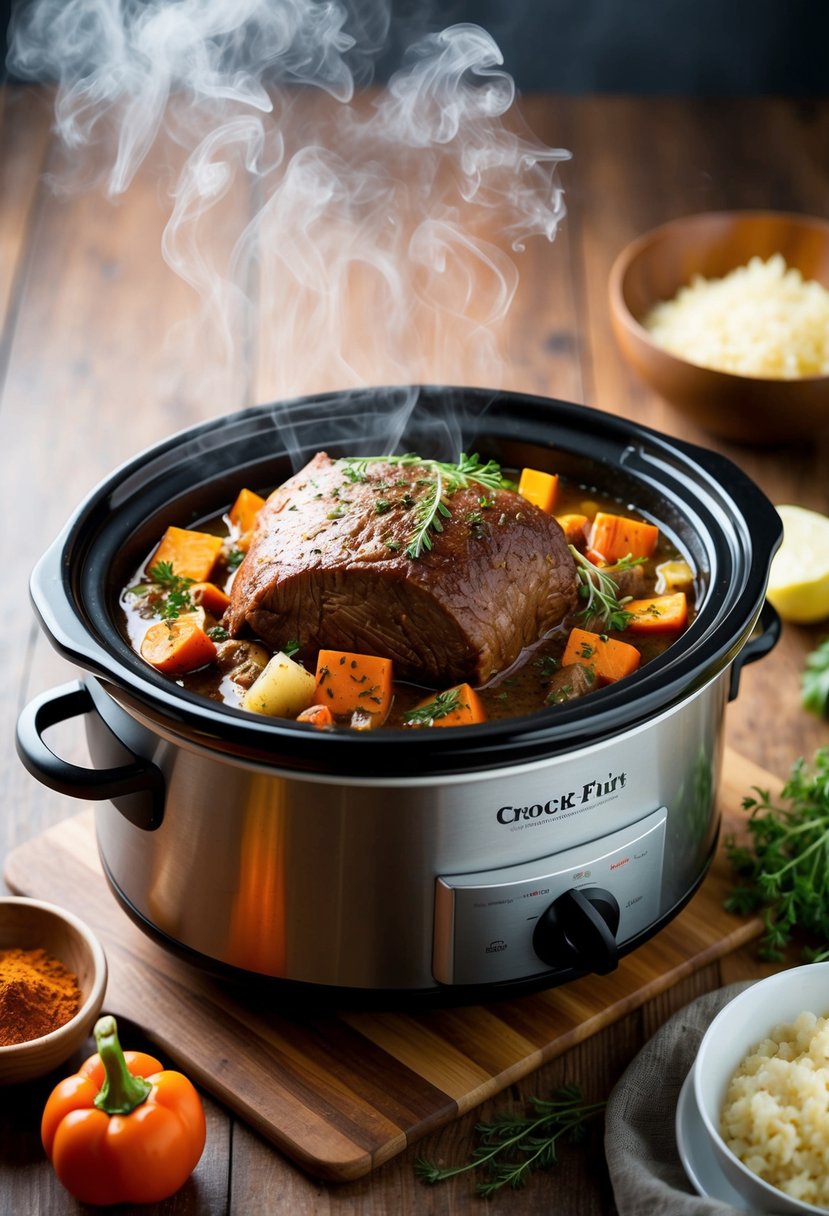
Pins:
<point x="757" y="646"/>
<point x="139" y="787"/>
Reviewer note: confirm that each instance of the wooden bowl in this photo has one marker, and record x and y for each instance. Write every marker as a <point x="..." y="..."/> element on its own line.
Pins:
<point x="652" y="269"/>
<point x="27" y="924"/>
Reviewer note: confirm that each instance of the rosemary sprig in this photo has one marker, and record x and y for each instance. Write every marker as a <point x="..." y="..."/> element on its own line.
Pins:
<point x="513" y="1146"/>
<point x="428" y="517"/>
<point x="442" y="479"/>
<point x="604" y="605"/>
<point x="444" y="704"/>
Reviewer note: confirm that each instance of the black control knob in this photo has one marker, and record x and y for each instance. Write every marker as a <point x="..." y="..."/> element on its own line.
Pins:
<point x="579" y="930"/>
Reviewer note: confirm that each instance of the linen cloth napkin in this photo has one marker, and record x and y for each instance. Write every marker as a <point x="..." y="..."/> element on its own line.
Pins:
<point x="640" y="1141"/>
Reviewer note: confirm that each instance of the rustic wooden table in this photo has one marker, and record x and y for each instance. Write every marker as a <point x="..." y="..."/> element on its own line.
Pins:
<point x="89" y="375"/>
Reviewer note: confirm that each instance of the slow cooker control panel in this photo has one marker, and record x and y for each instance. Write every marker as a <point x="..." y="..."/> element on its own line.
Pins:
<point x="574" y="909"/>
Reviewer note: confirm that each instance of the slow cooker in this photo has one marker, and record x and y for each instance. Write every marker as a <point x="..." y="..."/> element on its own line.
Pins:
<point x="467" y="862"/>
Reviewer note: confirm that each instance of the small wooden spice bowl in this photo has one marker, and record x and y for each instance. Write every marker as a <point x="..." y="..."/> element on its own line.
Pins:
<point x="30" y="924"/>
<point x="652" y="268"/>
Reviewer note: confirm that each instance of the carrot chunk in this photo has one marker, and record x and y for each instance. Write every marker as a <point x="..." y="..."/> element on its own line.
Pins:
<point x="210" y="597"/>
<point x="191" y="554"/>
<point x="539" y="488"/>
<point x="347" y="682"/>
<point x="245" y="509"/>
<point x="616" y="536"/>
<point x="177" y="646"/>
<point x="662" y="614"/>
<point x="609" y="659"/>
<point x="574" y="527"/>
<point x="458" y="706"/>
<point x="318" y="715"/>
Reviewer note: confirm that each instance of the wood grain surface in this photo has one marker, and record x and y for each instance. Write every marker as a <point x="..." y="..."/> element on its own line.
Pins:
<point x="93" y="368"/>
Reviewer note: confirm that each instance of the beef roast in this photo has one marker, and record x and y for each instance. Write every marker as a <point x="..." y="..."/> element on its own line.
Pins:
<point x="327" y="566"/>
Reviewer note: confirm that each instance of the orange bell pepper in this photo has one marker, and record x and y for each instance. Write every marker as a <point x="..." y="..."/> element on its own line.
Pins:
<point x="123" y="1129"/>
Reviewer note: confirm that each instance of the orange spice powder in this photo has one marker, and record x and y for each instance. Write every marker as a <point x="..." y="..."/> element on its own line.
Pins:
<point x="37" y="995"/>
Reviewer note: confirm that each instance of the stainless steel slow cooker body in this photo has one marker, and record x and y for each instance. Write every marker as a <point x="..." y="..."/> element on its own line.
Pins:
<point x="463" y="861"/>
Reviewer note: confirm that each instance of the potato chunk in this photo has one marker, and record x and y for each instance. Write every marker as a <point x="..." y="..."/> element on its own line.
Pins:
<point x="282" y="690"/>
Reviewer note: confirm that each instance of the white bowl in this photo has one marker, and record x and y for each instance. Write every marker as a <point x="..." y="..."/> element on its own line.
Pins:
<point x="741" y="1025"/>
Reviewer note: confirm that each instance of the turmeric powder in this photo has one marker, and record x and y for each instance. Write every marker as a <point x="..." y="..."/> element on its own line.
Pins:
<point x="37" y="995"/>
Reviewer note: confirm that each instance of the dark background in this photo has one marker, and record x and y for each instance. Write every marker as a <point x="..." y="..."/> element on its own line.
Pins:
<point x="706" y="47"/>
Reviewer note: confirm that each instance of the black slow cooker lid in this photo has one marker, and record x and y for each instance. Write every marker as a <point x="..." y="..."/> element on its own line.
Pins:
<point x="708" y="506"/>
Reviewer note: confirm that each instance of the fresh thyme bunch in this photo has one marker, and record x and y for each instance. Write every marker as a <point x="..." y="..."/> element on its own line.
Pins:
<point x="513" y="1146"/>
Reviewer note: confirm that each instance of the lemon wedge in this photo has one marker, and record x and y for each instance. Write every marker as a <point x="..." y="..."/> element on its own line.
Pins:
<point x="799" y="578"/>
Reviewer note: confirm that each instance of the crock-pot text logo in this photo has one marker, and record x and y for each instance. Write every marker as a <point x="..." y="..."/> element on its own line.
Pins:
<point x="570" y="801"/>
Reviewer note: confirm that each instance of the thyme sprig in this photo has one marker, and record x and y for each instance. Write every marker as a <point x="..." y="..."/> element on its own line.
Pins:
<point x="783" y="868"/>
<point x="442" y="479"/>
<point x="604" y="606"/>
<point x="513" y="1146"/>
<point x="444" y="703"/>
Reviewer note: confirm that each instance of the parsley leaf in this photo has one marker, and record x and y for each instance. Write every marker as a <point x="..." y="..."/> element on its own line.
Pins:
<point x="815" y="681"/>
<point x="783" y="866"/>
<point x="176" y="597"/>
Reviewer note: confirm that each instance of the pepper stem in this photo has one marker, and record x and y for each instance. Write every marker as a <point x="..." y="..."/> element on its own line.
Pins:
<point x="121" y="1092"/>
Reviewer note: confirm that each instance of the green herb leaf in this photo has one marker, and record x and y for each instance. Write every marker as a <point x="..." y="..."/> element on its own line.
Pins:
<point x="815" y="681"/>
<point x="603" y="607"/>
<point x="513" y="1146"/>
<point x="442" y="479"/>
<point x="176" y="598"/>
<point x="291" y="648"/>
<point x="234" y="559"/>
<point x="444" y="704"/>
<point x="783" y="867"/>
<point x="218" y="633"/>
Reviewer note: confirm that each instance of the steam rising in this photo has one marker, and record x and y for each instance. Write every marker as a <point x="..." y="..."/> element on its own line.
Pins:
<point x="381" y="226"/>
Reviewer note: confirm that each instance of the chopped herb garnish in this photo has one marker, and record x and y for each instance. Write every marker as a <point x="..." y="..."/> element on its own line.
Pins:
<point x="218" y="633"/>
<point x="560" y="695"/>
<point x="352" y="472"/>
<point x="290" y="648"/>
<point x="547" y="666"/>
<point x="335" y="513"/>
<point x="393" y="545"/>
<point x="382" y="506"/>
<point x="234" y="559"/>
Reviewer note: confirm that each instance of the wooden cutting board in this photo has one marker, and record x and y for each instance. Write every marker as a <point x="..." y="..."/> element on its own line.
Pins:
<point x="342" y="1092"/>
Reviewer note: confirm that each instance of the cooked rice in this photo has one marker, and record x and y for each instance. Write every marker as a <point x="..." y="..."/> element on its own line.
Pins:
<point x="775" y="1117"/>
<point x="762" y="319"/>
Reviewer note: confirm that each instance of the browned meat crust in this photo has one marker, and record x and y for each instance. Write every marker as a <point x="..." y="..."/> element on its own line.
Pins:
<point x="328" y="566"/>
